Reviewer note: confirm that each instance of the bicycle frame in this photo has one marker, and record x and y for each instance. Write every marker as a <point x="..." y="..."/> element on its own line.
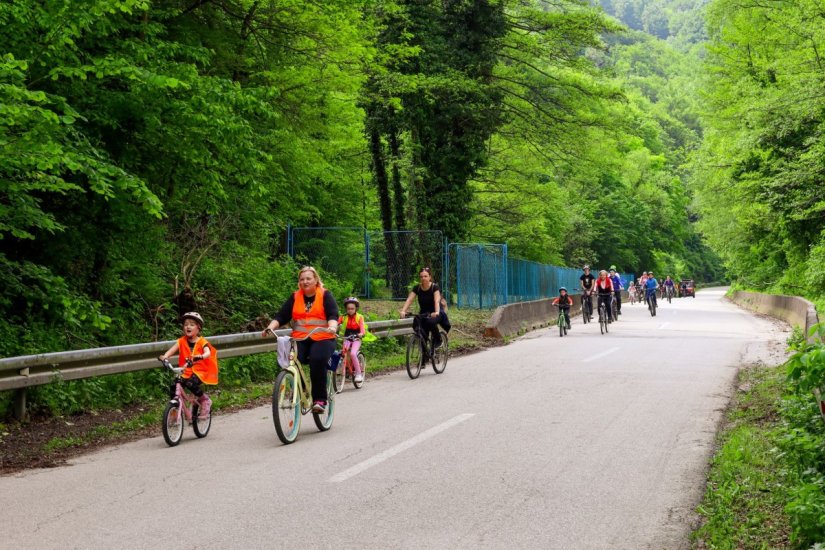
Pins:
<point x="185" y="400"/>
<point x="304" y="384"/>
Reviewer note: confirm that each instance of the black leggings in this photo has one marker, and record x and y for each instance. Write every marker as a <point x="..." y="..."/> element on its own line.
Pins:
<point x="193" y="384"/>
<point x="317" y="353"/>
<point x="430" y="328"/>
<point x="606" y="299"/>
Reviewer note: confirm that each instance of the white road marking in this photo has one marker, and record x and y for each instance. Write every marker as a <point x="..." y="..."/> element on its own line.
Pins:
<point x="663" y="325"/>
<point x="400" y="448"/>
<point x="600" y="355"/>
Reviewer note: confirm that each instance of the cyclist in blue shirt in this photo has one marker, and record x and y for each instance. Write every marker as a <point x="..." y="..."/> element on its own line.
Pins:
<point x="650" y="288"/>
<point x="617" y="288"/>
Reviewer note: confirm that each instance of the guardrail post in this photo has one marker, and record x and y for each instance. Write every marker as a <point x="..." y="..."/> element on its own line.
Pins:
<point x="20" y="404"/>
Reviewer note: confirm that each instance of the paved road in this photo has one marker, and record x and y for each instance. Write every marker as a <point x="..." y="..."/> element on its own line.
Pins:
<point x="584" y="442"/>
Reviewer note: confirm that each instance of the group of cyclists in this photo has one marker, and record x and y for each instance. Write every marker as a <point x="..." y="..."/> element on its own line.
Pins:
<point x="608" y="287"/>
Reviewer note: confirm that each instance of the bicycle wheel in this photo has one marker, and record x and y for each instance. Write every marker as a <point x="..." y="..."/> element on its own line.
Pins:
<point x="201" y="427"/>
<point x="324" y="421"/>
<point x="363" y="362"/>
<point x="614" y="309"/>
<point x="602" y="319"/>
<point x="286" y="407"/>
<point x="173" y="424"/>
<point x="340" y="375"/>
<point x="414" y="356"/>
<point x="441" y="354"/>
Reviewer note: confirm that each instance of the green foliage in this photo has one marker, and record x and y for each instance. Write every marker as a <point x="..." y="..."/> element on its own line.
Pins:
<point x="806" y="366"/>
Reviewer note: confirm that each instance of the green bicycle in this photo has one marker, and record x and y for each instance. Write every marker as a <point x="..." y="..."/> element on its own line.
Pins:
<point x="562" y="323"/>
<point x="292" y="397"/>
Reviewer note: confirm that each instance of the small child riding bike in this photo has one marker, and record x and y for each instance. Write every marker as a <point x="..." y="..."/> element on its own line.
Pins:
<point x="564" y="301"/>
<point x="353" y="323"/>
<point x="204" y="368"/>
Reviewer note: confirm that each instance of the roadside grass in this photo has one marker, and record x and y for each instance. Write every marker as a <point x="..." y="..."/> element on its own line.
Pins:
<point x="766" y="485"/>
<point x="744" y="503"/>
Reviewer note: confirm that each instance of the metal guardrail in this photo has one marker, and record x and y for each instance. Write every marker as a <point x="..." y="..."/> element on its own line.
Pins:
<point x="18" y="373"/>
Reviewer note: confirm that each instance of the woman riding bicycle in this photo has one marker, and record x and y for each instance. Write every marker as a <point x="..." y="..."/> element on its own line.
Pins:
<point x="429" y="303"/>
<point x="353" y="323"/>
<point x="604" y="291"/>
<point x="311" y="307"/>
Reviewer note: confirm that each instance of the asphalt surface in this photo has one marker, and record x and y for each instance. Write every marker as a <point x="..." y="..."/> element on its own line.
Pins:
<point x="586" y="441"/>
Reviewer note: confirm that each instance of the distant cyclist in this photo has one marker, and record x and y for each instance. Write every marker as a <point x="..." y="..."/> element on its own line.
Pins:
<point x="643" y="283"/>
<point x="604" y="291"/>
<point x="617" y="288"/>
<point x="670" y="287"/>
<point x="650" y="289"/>
<point x="586" y="286"/>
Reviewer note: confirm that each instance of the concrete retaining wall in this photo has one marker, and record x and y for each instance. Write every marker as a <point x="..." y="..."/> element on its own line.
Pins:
<point x="514" y="319"/>
<point x="793" y="309"/>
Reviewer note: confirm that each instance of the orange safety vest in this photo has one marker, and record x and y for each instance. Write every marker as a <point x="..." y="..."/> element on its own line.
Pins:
<point x="303" y="322"/>
<point x="206" y="369"/>
<point x="353" y="323"/>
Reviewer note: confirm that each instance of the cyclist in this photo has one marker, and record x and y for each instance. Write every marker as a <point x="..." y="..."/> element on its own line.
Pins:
<point x="669" y="286"/>
<point x="643" y="283"/>
<point x="604" y="291"/>
<point x="353" y="323"/>
<point x="650" y="289"/>
<point x="204" y="370"/>
<point x="429" y="302"/>
<point x="617" y="288"/>
<point x="564" y="301"/>
<point x="631" y="290"/>
<point x="308" y="308"/>
<point x="586" y="285"/>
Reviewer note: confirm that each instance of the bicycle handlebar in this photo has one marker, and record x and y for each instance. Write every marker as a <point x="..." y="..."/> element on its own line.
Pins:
<point x="310" y="333"/>
<point x="168" y="365"/>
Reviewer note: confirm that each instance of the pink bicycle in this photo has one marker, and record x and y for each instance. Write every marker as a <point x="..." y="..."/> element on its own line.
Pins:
<point x="345" y="368"/>
<point x="183" y="407"/>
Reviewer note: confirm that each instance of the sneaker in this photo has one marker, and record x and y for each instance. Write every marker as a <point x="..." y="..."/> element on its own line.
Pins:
<point x="319" y="407"/>
<point x="204" y="407"/>
<point x="359" y="378"/>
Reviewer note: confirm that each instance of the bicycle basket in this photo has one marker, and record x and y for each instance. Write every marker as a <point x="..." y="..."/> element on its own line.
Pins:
<point x="332" y="364"/>
<point x="284" y="347"/>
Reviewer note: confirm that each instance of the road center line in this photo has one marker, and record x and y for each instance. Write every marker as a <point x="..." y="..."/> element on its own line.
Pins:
<point x="600" y="355"/>
<point x="663" y="325"/>
<point x="400" y="448"/>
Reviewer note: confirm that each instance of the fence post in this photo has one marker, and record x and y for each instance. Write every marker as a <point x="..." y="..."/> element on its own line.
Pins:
<point x="289" y="248"/>
<point x="366" y="264"/>
<point x="506" y="289"/>
<point x="480" y="282"/>
<point x="458" y="275"/>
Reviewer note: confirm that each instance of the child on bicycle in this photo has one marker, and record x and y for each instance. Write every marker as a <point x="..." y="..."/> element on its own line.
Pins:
<point x="204" y="369"/>
<point x="353" y="323"/>
<point x="564" y="301"/>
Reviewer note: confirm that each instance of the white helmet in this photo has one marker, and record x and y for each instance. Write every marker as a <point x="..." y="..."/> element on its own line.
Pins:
<point x="195" y="316"/>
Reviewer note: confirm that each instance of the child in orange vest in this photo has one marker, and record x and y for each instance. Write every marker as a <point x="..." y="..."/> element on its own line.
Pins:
<point x="354" y="326"/>
<point x="204" y="369"/>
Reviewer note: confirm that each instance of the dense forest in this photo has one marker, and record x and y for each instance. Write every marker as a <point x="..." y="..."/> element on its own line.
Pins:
<point x="153" y="153"/>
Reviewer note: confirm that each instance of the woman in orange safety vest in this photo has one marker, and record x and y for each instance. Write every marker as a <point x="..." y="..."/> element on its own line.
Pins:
<point x="311" y="307"/>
